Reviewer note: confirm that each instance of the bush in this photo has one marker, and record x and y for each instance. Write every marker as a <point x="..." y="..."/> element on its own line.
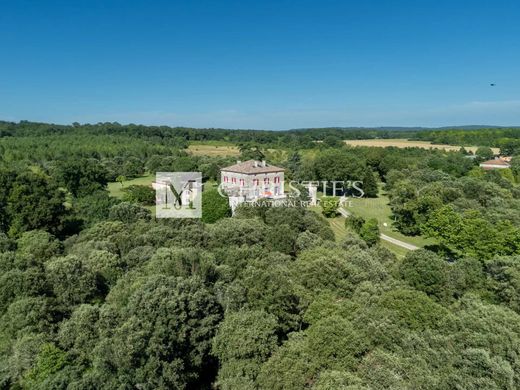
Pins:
<point x="329" y="205"/>
<point x="214" y="206"/>
<point x="369" y="232"/>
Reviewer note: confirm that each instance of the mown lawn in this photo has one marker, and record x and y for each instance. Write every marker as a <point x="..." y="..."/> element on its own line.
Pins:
<point x="340" y="231"/>
<point x="115" y="188"/>
<point x="378" y="208"/>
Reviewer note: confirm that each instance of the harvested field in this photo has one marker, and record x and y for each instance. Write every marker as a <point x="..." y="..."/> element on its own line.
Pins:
<point x="404" y="143"/>
<point x="213" y="150"/>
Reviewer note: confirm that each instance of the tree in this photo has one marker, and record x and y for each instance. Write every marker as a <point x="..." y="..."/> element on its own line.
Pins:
<point x="484" y="153"/>
<point x="369" y="232"/>
<point x="94" y="207"/>
<point x="82" y="176"/>
<point x="354" y="222"/>
<point x="214" y="206"/>
<point x="73" y="281"/>
<point x="144" y="195"/>
<point x="163" y="338"/>
<point x="244" y="340"/>
<point x="329" y="206"/>
<point x="515" y="167"/>
<point x="332" y="141"/>
<point x="369" y="184"/>
<point x="250" y="152"/>
<point x="129" y="213"/>
<point x="121" y="179"/>
<point x="427" y="272"/>
<point x="35" y="203"/>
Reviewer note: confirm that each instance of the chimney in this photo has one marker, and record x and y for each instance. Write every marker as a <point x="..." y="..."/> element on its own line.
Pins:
<point x="255" y="164"/>
<point x="238" y="161"/>
<point x="263" y="163"/>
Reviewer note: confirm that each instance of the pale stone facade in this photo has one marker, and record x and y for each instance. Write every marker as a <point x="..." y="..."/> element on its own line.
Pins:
<point x="252" y="180"/>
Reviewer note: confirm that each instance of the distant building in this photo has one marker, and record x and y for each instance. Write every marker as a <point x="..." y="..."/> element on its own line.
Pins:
<point x="252" y="180"/>
<point x="497" y="163"/>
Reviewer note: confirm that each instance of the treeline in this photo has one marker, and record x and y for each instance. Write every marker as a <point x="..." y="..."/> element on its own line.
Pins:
<point x="508" y="140"/>
<point x="301" y="138"/>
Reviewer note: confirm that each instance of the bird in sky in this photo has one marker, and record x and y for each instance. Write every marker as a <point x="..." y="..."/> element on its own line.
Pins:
<point x="492" y="84"/>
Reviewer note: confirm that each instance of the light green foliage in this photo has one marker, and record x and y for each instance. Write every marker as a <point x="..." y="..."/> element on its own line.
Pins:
<point x="49" y="361"/>
<point x="329" y="206"/>
<point x="369" y="232"/>
<point x="72" y="280"/>
<point x="38" y="245"/>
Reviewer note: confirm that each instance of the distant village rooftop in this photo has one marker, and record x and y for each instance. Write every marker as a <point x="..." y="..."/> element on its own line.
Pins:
<point x="252" y="167"/>
<point x="496" y="163"/>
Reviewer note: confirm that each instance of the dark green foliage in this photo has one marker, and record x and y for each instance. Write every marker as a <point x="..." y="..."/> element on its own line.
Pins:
<point x="172" y="322"/>
<point x="82" y="177"/>
<point x="484" y="153"/>
<point x="250" y="152"/>
<point x="354" y="222"/>
<point x="427" y="272"/>
<point x="129" y="213"/>
<point x="34" y="202"/>
<point x="244" y="340"/>
<point x="94" y="208"/>
<point x="143" y="195"/>
<point x="214" y="206"/>
<point x="369" y="184"/>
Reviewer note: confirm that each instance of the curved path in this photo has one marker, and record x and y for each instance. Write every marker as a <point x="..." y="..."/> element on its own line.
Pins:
<point x="392" y="240"/>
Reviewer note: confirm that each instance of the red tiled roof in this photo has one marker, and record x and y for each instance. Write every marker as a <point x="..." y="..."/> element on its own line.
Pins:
<point x="496" y="162"/>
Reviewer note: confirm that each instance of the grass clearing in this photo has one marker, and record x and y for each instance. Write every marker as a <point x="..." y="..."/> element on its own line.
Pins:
<point x="115" y="188"/>
<point x="379" y="209"/>
<point x="340" y="231"/>
<point x="404" y="143"/>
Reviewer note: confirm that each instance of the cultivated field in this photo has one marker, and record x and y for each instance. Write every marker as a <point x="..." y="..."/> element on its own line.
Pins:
<point x="213" y="149"/>
<point x="404" y="143"/>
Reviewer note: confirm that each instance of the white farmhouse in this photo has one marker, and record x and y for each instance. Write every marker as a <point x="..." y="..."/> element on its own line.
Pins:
<point x="251" y="180"/>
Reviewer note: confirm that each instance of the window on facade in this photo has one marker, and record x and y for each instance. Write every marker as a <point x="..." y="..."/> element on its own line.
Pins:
<point x="241" y="182"/>
<point x="234" y="180"/>
<point x="225" y="179"/>
<point x="266" y="180"/>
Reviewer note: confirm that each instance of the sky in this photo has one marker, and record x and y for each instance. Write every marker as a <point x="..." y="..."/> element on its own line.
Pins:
<point x="261" y="64"/>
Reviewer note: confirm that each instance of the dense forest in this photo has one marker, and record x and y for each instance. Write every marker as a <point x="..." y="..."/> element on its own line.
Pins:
<point x="96" y="293"/>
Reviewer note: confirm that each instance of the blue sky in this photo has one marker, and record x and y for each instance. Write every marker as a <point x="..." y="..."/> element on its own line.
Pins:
<point x="261" y="64"/>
